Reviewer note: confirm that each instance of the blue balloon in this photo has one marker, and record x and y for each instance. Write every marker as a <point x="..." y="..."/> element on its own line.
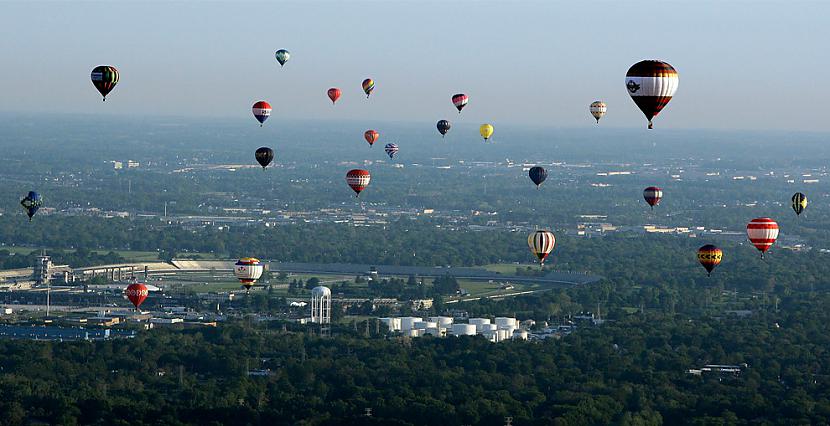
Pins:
<point x="31" y="203"/>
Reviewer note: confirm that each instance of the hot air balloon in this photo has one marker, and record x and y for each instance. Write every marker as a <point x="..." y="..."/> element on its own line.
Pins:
<point x="709" y="256"/>
<point x="264" y="156"/>
<point x="247" y="270"/>
<point x="537" y="175"/>
<point x="371" y="136"/>
<point x="762" y="233"/>
<point x="282" y="56"/>
<point x="261" y="110"/>
<point x="653" y="194"/>
<point x="31" y="203"/>
<point x="358" y="180"/>
<point x="486" y="130"/>
<point x="651" y="85"/>
<point x="104" y="78"/>
<point x="368" y="86"/>
<point x="598" y="109"/>
<point x="541" y="244"/>
<point x="460" y="101"/>
<point x="334" y="94"/>
<point x="137" y="293"/>
<point x="799" y="203"/>
<point x="444" y="126"/>
<point x="391" y="149"/>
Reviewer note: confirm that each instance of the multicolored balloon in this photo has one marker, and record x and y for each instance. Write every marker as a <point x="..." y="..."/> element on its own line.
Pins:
<point x="371" y="136"/>
<point x="368" y="86"/>
<point x="762" y="233"/>
<point x="709" y="256"/>
<point x="104" y="78"/>
<point x="261" y="110"/>
<point x="334" y="94"/>
<point x="358" y="180"/>
<point x="799" y="203"/>
<point x="391" y="149"/>
<point x="598" y="109"/>
<point x="444" y="126"/>
<point x="247" y="270"/>
<point x="651" y="85"/>
<point x="486" y="130"/>
<point x="137" y="293"/>
<point x="541" y="244"/>
<point x="460" y="101"/>
<point x="31" y="203"/>
<point x="264" y="156"/>
<point x="282" y="56"/>
<point x="537" y="175"/>
<point x="653" y="195"/>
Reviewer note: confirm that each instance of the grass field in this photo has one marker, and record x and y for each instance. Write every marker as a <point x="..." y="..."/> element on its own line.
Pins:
<point x="128" y="255"/>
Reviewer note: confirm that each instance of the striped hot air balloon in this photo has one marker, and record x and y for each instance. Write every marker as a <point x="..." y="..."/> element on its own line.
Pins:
<point x="460" y="101"/>
<point x="541" y="244"/>
<point x="368" y="86"/>
<point x="799" y="203"/>
<point x="598" y="109"/>
<point x="651" y="85"/>
<point x="371" y="136"/>
<point x="333" y="94"/>
<point x="261" y="110"/>
<point x="247" y="270"/>
<point x="104" y="78"/>
<point x="358" y="180"/>
<point x="653" y="195"/>
<point x="391" y="149"/>
<point x="762" y="233"/>
<point x="709" y="256"/>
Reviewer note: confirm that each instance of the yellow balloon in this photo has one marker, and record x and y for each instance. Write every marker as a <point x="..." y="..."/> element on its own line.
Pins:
<point x="486" y="131"/>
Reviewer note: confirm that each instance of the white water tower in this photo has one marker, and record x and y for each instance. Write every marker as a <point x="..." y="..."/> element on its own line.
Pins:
<point x="321" y="305"/>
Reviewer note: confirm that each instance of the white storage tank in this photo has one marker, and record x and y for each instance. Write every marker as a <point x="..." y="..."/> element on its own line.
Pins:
<point x="442" y="321"/>
<point x="489" y="327"/>
<point x="408" y="323"/>
<point x="464" y="329"/>
<point x="520" y="334"/>
<point x="504" y="334"/>
<point x="504" y="322"/>
<point x="479" y="322"/>
<point x="394" y="324"/>
<point x="491" y="335"/>
<point x="423" y="325"/>
<point x="414" y="332"/>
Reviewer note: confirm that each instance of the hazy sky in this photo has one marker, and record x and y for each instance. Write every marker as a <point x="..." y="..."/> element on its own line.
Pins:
<point x="741" y="64"/>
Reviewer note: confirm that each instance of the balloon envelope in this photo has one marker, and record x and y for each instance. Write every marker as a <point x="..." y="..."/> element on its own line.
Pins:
<point x="31" y="203"/>
<point x="282" y="56"/>
<point x="247" y="270"/>
<point x="537" y="175"/>
<point x="391" y="149"/>
<point x="653" y="195"/>
<point x="264" y="156"/>
<point x="709" y="256"/>
<point x="137" y="293"/>
<point x="334" y="94"/>
<point x="371" y="136"/>
<point x="762" y="233"/>
<point x="443" y="127"/>
<point x="368" y="85"/>
<point x="598" y="109"/>
<point x="651" y="85"/>
<point x="261" y="110"/>
<point x="799" y="203"/>
<point x="358" y="180"/>
<point x="541" y="244"/>
<point x="486" y="130"/>
<point x="104" y="78"/>
<point x="460" y="101"/>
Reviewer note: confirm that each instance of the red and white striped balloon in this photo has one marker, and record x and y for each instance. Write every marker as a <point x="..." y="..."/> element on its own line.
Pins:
<point x="762" y="233"/>
<point x="358" y="180"/>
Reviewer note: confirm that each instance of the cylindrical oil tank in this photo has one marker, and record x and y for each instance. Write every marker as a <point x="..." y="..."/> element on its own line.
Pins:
<point x="479" y="322"/>
<point x="463" y="329"/>
<point x="489" y="327"/>
<point x="408" y="323"/>
<point x="520" y="334"/>
<point x="504" y="322"/>
<point x="442" y="321"/>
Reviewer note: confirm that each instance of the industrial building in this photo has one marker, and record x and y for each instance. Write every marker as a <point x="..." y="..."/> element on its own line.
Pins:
<point x="497" y="330"/>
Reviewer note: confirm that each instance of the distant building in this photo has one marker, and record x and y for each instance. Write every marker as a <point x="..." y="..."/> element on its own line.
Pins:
<point x="43" y="263"/>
